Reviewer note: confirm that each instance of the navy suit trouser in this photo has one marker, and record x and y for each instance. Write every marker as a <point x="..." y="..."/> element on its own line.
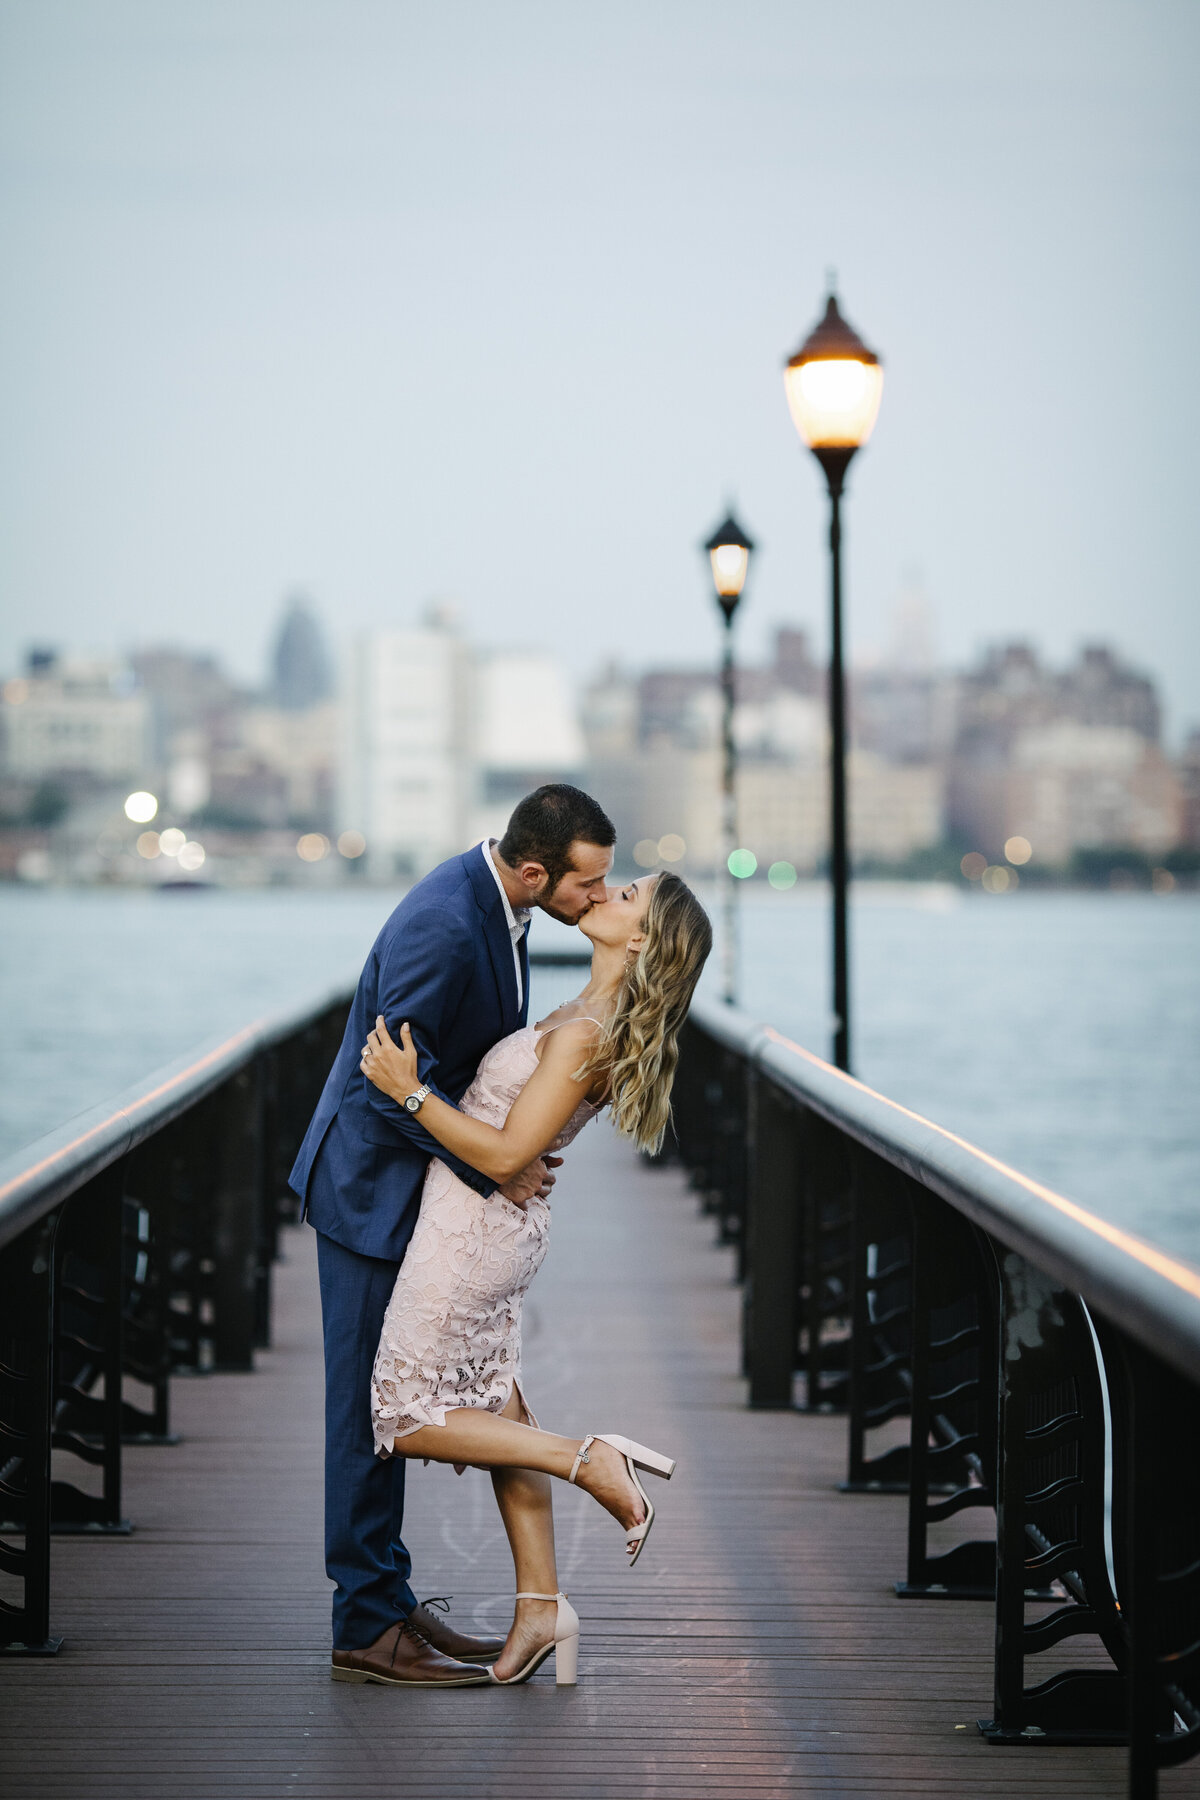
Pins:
<point x="365" y="1556"/>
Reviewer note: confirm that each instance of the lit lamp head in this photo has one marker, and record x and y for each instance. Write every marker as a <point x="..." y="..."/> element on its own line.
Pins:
<point x="833" y="385"/>
<point x="729" y="554"/>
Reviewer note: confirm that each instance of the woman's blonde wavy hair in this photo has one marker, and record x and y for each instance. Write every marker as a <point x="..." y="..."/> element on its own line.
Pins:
<point x="638" y="1046"/>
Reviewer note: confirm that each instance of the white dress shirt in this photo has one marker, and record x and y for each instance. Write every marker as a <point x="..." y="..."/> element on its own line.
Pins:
<point x="515" y="920"/>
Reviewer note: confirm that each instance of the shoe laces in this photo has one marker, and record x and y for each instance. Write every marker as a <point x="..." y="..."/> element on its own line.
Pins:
<point x="414" y="1630"/>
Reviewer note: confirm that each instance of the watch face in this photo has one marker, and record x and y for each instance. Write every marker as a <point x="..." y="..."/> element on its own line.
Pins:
<point x="412" y="1103"/>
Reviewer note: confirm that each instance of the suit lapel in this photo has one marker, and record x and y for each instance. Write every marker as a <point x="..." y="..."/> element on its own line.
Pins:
<point x="495" y="936"/>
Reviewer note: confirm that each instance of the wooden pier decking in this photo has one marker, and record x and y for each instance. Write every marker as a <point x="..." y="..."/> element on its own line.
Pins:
<point x="756" y="1651"/>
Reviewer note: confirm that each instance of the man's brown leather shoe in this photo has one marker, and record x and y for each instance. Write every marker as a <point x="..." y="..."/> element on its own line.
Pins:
<point x="404" y="1657"/>
<point x="442" y="1635"/>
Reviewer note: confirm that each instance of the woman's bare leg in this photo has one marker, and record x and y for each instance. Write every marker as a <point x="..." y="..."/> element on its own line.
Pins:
<point x="492" y="1441"/>
<point x="523" y="1496"/>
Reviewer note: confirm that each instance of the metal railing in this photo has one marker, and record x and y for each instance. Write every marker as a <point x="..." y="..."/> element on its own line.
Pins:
<point x="994" y="1346"/>
<point x="135" y="1242"/>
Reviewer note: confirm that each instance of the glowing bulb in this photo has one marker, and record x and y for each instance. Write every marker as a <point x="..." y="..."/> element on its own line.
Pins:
<point x="141" y="807"/>
<point x="729" y="565"/>
<point x="834" y="403"/>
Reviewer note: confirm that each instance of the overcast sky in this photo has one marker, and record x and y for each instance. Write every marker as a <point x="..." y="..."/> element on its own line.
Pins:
<point x="489" y="300"/>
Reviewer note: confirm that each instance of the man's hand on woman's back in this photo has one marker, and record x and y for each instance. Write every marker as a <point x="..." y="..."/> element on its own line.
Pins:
<point x="535" y="1179"/>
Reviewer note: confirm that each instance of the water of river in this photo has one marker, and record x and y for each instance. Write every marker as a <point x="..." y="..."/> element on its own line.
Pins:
<point x="1059" y="1031"/>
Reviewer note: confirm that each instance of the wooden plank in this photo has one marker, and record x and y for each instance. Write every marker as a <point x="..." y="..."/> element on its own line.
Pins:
<point x="757" y="1649"/>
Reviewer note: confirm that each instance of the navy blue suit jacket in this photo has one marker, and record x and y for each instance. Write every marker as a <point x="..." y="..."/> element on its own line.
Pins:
<point x="444" y="962"/>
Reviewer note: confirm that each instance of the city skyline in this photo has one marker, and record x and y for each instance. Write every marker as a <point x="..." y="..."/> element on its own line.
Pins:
<point x="886" y="654"/>
<point x="430" y="737"/>
<point x="373" y="301"/>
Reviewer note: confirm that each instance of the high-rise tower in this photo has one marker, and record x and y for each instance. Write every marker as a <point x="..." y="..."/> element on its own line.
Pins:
<point x="301" y="671"/>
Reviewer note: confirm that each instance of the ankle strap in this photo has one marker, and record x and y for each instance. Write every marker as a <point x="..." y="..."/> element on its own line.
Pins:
<point x="582" y="1456"/>
<point x="541" y="1596"/>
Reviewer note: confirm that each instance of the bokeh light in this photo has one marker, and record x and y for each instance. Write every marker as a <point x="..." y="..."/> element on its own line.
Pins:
<point x="997" y="880"/>
<point x="973" y="865"/>
<point x="1162" y="881"/>
<point x="671" y="847"/>
<point x="645" y="853"/>
<point x="312" y="847"/>
<point x="1018" y="850"/>
<point x="351" y="844"/>
<point x="742" y="863"/>
<point x="781" y="875"/>
<point x="192" y="856"/>
<point x="172" y="840"/>
<point x="141" y="807"/>
<point x="148" y="846"/>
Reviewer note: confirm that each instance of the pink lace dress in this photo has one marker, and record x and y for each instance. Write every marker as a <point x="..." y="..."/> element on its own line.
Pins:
<point x="452" y="1331"/>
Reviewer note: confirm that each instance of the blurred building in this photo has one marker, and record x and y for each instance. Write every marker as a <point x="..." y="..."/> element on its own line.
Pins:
<point x="783" y="806"/>
<point x="903" y="715"/>
<point x="301" y="668"/>
<point x="407" y="769"/>
<point x="190" y="696"/>
<point x="793" y="666"/>
<point x="608" y="714"/>
<point x="282" y="769"/>
<point x="677" y="705"/>
<point x="242" y="760"/>
<point x="1102" y="690"/>
<point x="440" y="740"/>
<point x="77" y="722"/>
<point x="1189" y="781"/>
<point x="1068" y="759"/>
<point x="1083" y="787"/>
<point x="527" y="731"/>
<point x="654" y="764"/>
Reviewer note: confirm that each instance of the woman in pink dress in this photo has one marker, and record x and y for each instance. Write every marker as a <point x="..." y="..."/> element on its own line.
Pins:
<point x="447" y="1381"/>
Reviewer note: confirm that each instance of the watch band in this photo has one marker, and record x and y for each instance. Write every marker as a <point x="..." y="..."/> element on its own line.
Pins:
<point x="415" y="1102"/>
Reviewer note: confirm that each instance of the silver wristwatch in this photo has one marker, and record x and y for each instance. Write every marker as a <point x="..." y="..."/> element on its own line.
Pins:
<point x="416" y="1101"/>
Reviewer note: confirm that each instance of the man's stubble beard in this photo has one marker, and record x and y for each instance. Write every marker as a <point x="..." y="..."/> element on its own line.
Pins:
<point x="548" y="906"/>
<point x="546" y="902"/>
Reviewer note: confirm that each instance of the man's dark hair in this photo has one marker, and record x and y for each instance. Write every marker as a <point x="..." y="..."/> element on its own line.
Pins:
<point x="547" y="822"/>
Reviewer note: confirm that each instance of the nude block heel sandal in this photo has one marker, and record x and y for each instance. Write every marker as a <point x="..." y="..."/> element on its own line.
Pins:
<point x="636" y="1457"/>
<point x="564" y="1644"/>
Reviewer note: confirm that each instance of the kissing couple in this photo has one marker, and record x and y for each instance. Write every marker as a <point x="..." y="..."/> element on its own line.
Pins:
<point x="426" y="1172"/>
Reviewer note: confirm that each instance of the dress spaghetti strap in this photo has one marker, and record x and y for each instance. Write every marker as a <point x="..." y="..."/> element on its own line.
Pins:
<point x="584" y="1019"/>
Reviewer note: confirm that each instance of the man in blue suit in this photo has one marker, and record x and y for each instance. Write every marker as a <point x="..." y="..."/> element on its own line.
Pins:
<point x="452" y="960"/>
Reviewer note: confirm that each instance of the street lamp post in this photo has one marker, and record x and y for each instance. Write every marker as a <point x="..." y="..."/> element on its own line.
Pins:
<point x="729" y="557"/>
<point x="833" y="385"/>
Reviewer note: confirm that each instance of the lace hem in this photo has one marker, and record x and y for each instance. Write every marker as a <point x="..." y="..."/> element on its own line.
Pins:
<point x="390" y="1424"/>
